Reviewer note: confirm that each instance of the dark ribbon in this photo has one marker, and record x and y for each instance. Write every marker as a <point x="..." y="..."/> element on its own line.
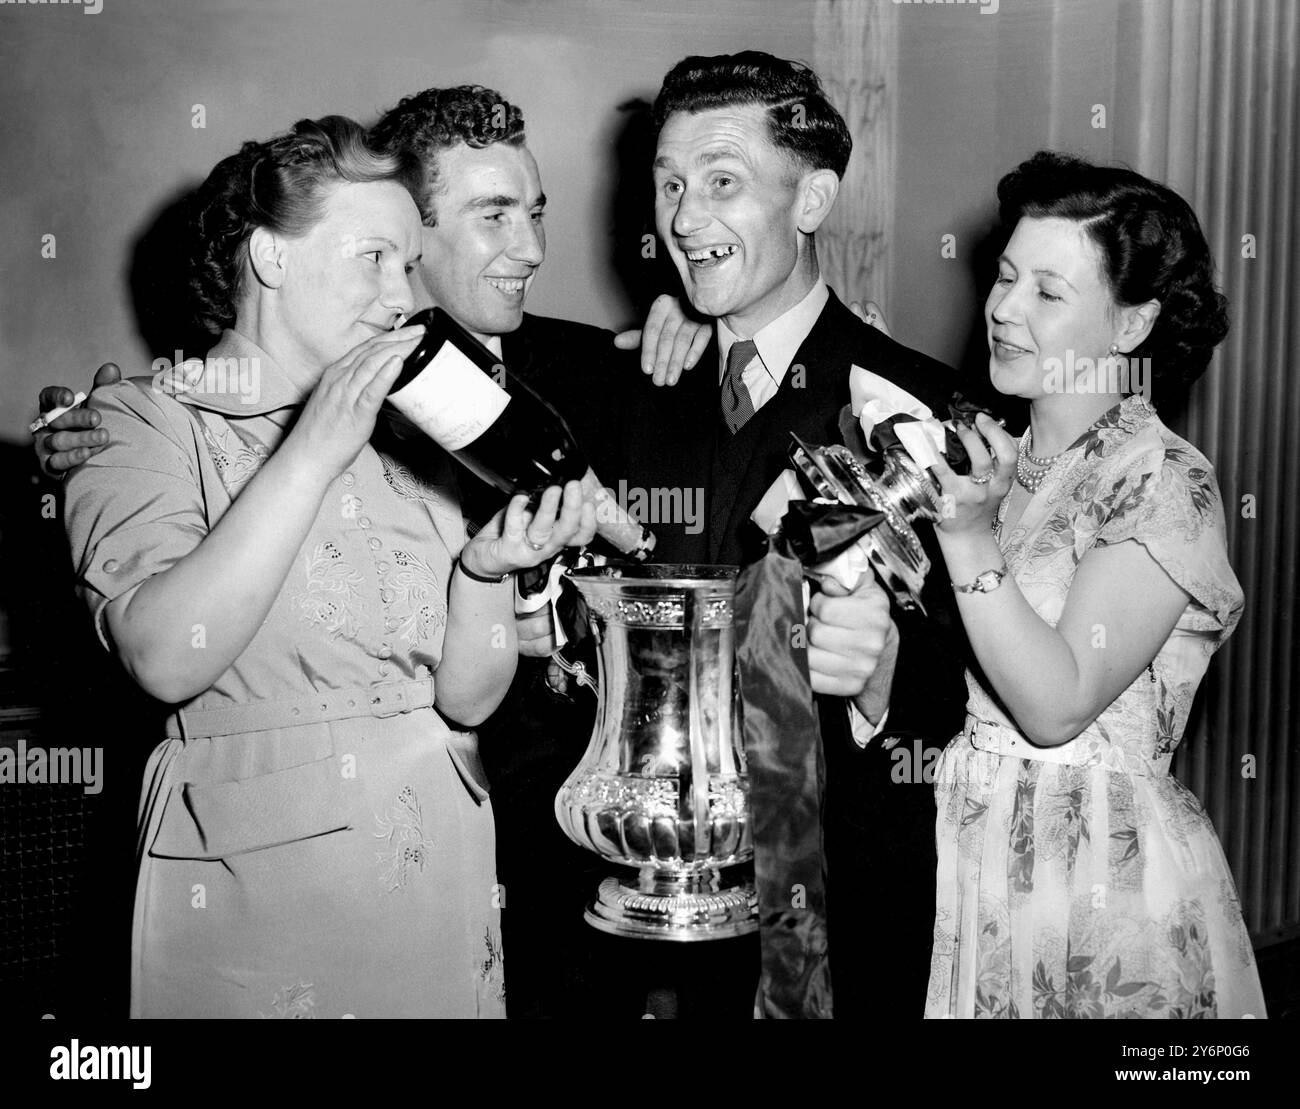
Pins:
<point x="783" y="750"/>
<point x="885" y="438"/>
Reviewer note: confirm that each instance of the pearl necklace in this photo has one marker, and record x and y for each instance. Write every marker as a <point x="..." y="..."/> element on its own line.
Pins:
<point x="1029" y="478"/>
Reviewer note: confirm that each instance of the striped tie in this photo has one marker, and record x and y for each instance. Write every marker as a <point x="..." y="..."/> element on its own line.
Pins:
<point x="737" y="405"/>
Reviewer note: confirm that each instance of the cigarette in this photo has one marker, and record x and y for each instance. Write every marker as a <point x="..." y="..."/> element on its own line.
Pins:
<point x="47" y="418"/>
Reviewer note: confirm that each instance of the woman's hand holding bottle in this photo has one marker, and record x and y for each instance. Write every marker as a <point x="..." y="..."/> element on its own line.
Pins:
<point x="517" y="538"/>
<point x="339" y="416"/>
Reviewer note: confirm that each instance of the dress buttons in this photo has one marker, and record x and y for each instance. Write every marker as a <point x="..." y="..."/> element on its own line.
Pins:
<point x="384" y="669"/>
<point x="386" y="595"/>
<point x="111" y="566"/>
<point x="392" y="624"/>
<point x="374" y="542"/>
<point x="385" y="651"/>
<point x="382" y="567"/>
<point x="349" y="480"/>
<point x="364" y="521"/>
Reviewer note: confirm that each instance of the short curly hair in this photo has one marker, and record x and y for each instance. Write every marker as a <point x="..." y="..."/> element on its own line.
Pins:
<point x="1151" y="245"/>
<point x="423" y="125"/>
<point x="282" y="185"/>
<point x="800" y="120"/>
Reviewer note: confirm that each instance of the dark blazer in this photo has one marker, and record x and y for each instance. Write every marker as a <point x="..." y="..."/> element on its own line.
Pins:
<point x="879" y="817"/>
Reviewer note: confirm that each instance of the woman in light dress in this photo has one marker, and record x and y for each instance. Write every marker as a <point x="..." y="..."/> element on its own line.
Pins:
<point x="1076" y="877"/>
<point x="316" y="839"/>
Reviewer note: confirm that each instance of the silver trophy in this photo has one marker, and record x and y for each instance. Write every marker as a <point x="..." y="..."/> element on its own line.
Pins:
<point x="901" y="490"/>
<point x="662" y="787"/>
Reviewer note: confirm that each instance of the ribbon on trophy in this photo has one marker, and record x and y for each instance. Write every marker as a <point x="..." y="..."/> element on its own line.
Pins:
<point x="892" y="419"/>
<point x="784" y="757"/>
<point x="810" y="541"/>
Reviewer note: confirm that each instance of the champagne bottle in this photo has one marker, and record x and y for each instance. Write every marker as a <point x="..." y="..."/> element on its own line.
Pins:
<point x="459" y="394"/>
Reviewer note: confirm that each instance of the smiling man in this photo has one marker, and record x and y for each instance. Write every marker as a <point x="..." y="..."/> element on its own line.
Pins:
<point x="484" y="238"/>
<point x="747" y="167"/>
<point x="482" y="202"/>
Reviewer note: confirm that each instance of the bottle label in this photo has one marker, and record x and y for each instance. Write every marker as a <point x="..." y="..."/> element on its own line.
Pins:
<point x="452" y="401"/>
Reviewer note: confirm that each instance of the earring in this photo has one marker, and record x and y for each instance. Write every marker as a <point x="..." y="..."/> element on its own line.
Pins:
<point x="1114" y="349"/>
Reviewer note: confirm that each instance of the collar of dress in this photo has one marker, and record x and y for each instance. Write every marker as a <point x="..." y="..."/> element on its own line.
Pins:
<point x="236" y="378"/>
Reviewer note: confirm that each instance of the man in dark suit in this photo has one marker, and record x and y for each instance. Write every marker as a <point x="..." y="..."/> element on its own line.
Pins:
<point x="747" y="166"/>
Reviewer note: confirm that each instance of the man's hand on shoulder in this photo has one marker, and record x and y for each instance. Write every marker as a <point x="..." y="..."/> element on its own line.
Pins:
<point x="69" y="440"/>
<point x="870" y="313"/>
<point x="670" y="341"/>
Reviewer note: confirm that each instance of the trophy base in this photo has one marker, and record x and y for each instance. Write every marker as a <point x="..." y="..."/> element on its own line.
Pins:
<point x="648" y="910"/>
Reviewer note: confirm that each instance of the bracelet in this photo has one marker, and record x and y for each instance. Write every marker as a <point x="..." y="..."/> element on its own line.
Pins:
<point x="986" y="582"/>
<point x="479" y="577"/>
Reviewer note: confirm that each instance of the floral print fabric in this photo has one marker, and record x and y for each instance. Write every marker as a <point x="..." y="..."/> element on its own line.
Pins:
<point x="1083" y="880"/>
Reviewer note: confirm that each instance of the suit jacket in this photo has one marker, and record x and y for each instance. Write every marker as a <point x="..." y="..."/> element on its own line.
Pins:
<point x="673" y="438"/>
<point x="879" y="809"/>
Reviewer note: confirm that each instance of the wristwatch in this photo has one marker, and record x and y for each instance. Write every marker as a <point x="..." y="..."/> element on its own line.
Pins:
<point x="985" y="582"/>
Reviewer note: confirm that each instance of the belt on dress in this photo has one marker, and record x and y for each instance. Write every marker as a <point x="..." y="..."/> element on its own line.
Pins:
<point x="322" y="707"/>
<point x="1085" y="750"/>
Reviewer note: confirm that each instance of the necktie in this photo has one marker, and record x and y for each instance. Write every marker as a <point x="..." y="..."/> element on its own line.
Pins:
<point x="737" y="405"/>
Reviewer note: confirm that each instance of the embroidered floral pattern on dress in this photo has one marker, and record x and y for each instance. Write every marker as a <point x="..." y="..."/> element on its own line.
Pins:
<point x="404" y="482"/>
<point x="332" y="598"/>
<point x="492" y="970"/>
<point x="297" y="1002"/>
<point x="236" y="460"/>
<point x="418" y="597"/>
<point x="409" y="849"/>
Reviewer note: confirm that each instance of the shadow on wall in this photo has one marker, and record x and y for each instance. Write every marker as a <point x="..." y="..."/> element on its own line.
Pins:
<point x="637" y="256"/>
<point x="156" y="275"/>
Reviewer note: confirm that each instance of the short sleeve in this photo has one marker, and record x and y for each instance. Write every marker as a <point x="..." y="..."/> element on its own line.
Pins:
<point x="136" y="508"/>
<point x="1168" y="500"/>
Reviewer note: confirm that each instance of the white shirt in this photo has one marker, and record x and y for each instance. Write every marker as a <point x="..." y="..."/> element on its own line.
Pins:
<point x="778" y="342"/>
<point x="777" y="345"/>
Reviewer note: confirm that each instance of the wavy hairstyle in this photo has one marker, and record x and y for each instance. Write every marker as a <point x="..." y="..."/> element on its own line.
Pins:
<point x="425" y="124"/>
<point x="1151" y="246"/>
<point x="281" y="184"/>
<point x="801" y="122"/>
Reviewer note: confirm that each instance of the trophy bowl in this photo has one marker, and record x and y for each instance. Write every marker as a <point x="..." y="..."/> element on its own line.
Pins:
<point x="662" y="787"/>
<point x="901" y="490"/>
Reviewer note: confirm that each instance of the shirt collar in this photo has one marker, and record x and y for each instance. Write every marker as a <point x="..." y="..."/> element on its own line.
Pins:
<point x="237" y="378"/>
<point x="779" y="341"/>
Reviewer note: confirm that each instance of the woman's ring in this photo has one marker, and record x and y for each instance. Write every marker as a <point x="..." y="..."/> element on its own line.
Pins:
<point x="982" y="480"/>
<point x="531" y="545"/>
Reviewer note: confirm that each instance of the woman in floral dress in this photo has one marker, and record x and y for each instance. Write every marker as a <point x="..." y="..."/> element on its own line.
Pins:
<point x="1076" y="877"/>
<point x="316" y="841"/>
